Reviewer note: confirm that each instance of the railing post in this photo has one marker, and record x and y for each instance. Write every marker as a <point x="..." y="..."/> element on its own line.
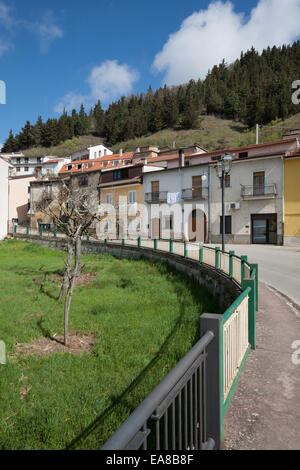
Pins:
<point x="217" y="262"/>
<point x="41" y="231"/>
<point x="171" y="245"/>
<point x="254" y="267"/>
<point x="139" y="241"/>
<point x="243" y="260"/>
<point x="251" y="312"/>
<point x="155" y="243"/>
<point x="231" y="255"/>
<point x="105" y="241"/>
<point x="123" y="239"/>
<point x="27" y="230"/>
<point x="15" y="229"/>
<point x="213" y="380"/>
<point x="55" y="232"/>
<point x="201" y="253"/>
<point x="185" y="249"/>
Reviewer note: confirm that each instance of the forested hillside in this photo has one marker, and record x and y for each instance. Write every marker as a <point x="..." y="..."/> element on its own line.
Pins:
<point x="254" y="89"/>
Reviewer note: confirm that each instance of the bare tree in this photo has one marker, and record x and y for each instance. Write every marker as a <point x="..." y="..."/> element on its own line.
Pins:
<point x="73" y="211"/>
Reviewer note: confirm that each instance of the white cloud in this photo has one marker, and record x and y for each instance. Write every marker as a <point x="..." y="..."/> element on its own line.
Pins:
<point x="6" y="22"/>
<point x="46" y="30"/>
<point x="107" y="82"/>
<point x="207" y="37"/>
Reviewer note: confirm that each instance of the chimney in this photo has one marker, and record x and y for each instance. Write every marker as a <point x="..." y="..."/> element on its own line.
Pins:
<point x="181" y="158"/>
<point x="137" y="150"/>
<point x="121" y="152"/>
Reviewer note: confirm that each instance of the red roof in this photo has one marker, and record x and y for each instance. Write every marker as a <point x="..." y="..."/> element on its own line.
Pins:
<point x="95" y="164"/>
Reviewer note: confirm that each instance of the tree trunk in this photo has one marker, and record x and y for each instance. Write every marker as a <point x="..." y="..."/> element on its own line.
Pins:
<point x="75" y="274"/>
<point x="68" y="267"/>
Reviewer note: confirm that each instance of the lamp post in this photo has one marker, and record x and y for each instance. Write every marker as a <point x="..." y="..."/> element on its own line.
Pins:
<point x="223" y="168"/>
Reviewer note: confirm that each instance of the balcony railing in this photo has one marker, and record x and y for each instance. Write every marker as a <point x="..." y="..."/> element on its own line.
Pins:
<point x="156" y="198"/>
<point x="195" y="193"/>
<point x="259" y="191"/>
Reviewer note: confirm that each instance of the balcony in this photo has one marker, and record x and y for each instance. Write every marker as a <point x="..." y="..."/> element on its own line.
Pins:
<point x="259" y="192"/>
<point x="193" y="194"/>
<point x="156" y="198"/>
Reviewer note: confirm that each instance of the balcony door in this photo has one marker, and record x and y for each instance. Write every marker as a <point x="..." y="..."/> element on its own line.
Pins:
<point x="155" y="190"/>
<point x="197" y="187"/>
<point x="258" y="183"/>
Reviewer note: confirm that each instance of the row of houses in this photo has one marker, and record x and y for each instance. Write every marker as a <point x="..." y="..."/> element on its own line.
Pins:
<point x="171" y="193"/>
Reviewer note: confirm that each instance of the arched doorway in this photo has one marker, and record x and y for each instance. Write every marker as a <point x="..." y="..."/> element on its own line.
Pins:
<point x="197" y="226"/>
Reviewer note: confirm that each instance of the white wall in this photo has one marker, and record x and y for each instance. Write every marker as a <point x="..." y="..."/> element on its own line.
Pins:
<point x="99" y="150"/>
<point x="3" y="198"/>
<point x="242" y="174"/>
<point x="175" y="181"/>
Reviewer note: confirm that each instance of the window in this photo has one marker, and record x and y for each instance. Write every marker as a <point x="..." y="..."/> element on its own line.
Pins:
<point x="117" y="175"/>
<point x="99" y="153"/>
<point x="104" y="164"/>
<point x="26" y="160"/>
<point x="227" y="181"/>
<point x="83" y="181"/>
<point x="18" y="160"/>
<point x="186" y="163"/>
<point x="227" y="224"/>
<point x="95" y="154"/>
<point x="105" y="152"/>
<point x="216" y="159"/>
<point x="243" y="154"/>
<point x="169" y="222"/>
<point x="116" y="162"/>
<point x="127" y="161"/>
<point x="18" y="168"/>
<point x="108" y="198"/>
<point x="26" y="168"/>
<point x="79" y="166"/>
<point x="39" y="159"/>
<point x="132" y="197"/>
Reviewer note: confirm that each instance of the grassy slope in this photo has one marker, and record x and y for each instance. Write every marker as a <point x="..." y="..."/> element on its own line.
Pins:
<point x="140" y="312"/>
<point x="66" y="148"/>
<point x="213" y="134"/>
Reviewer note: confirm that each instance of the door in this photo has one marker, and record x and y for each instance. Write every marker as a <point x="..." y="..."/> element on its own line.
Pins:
<point x="258" y="183"/>
<point x="264" y="229"/>
<point x="197" y="226"/>
<point x="197" y="187"/>
<point x="155" y="190"/>
<point x="155" y="228"/>
<point x="259" y="231"/>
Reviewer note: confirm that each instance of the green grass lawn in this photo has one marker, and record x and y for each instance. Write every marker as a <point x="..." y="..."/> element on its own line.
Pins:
<point x="146" y="318"/>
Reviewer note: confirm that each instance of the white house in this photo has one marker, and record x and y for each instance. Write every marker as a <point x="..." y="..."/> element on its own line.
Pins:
<point x="4" y="167"/>
<point x="93" y="152"/>
<point x="254" y="195"/>
<point x="52" y="165"/>
<point x="176" y="203"/>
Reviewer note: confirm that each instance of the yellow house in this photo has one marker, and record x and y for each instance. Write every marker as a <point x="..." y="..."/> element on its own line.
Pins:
<point x="122" y="191"/>
<point x="292" y="198"/>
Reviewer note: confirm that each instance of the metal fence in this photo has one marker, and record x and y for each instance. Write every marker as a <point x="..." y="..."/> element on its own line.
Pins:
<point x="186" y="410"/>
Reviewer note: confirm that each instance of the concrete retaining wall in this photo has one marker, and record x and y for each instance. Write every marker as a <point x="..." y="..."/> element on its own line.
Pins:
<point x="224" y="290"/>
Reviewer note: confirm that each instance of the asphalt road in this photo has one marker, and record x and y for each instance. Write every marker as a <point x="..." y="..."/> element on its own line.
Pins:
<point x="279" y="266"/>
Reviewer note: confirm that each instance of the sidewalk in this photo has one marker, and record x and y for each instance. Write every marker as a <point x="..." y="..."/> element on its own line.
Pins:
<point x="264" y="413"/>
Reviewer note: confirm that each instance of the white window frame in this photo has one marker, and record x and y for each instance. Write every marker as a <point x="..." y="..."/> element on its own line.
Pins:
<point x="130" y="193"/>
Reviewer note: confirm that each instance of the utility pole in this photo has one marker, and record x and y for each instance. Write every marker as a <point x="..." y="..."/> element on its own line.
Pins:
<point x="257" y="128"/>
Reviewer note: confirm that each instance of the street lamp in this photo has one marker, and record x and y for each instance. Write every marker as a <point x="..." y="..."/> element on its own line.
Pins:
<point x="223" y="168"/>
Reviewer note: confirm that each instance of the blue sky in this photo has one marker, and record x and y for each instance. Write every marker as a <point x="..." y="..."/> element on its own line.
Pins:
<point x="59" y="53"/>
